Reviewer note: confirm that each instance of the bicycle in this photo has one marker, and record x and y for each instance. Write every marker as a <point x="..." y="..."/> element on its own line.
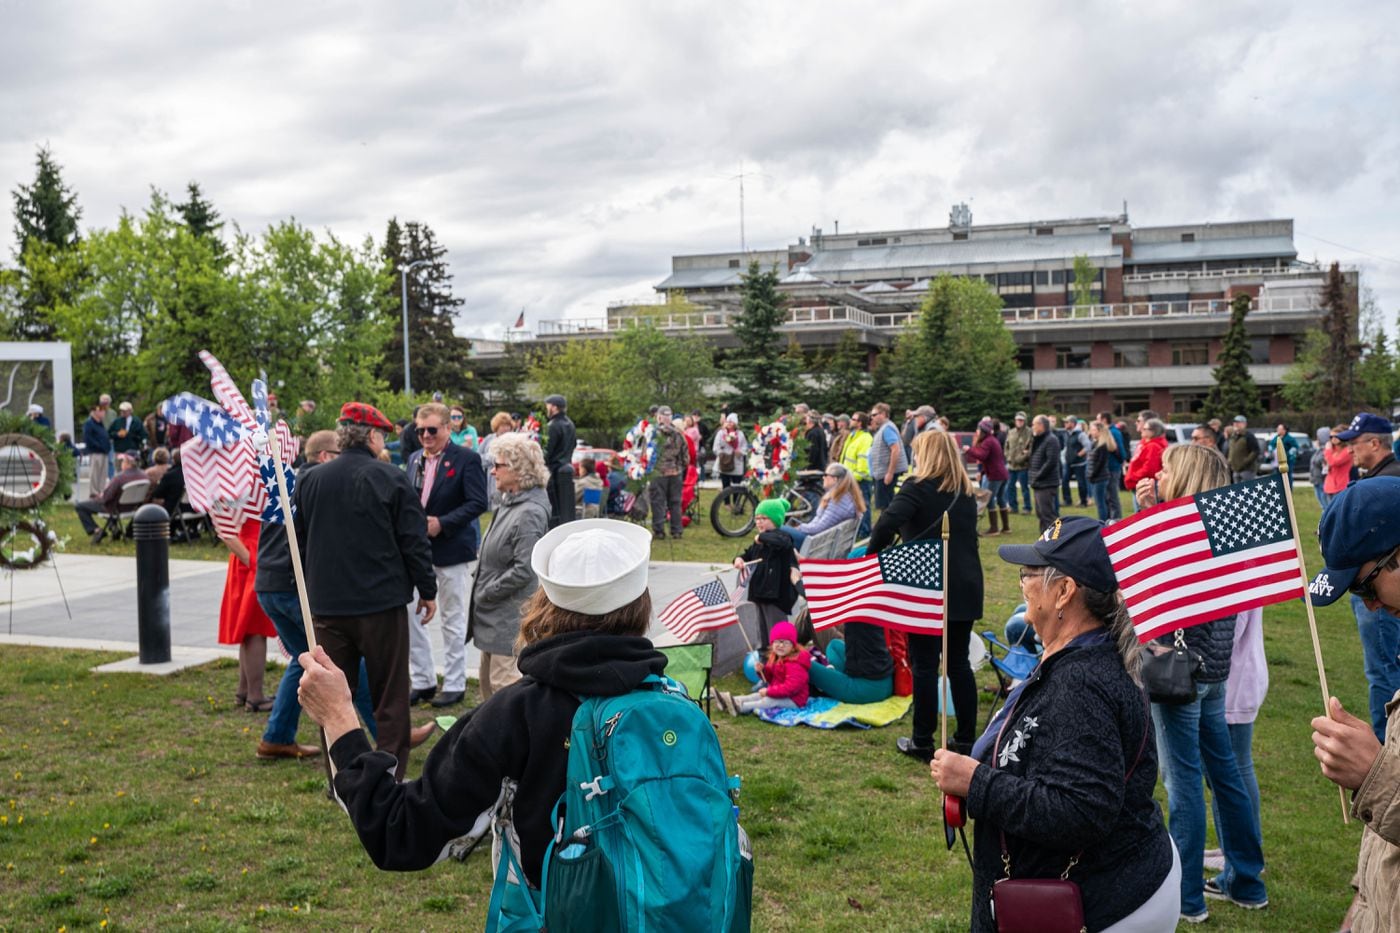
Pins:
<point x="732" y="511"/>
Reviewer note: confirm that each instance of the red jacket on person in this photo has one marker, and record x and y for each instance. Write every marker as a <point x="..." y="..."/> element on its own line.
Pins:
<point x="787" y="677"/>
<point x="1146" y="463"/>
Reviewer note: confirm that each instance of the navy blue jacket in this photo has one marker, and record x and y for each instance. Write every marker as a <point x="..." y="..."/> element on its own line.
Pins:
<point x="95" y="437"/>
<point x="457" y="498"/>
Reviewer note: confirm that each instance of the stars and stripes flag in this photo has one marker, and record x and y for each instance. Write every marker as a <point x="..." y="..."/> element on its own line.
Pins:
<point x="1203" y="557"/>
<point x="204" y="419"/>
<point x="899" y="588"/>
<point x="227" y="393"/>
<point x="698" y="610"/>
<point x="222" y="482"/>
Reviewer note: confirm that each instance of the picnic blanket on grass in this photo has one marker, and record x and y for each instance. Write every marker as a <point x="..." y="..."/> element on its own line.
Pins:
<point x="826" y="713"/>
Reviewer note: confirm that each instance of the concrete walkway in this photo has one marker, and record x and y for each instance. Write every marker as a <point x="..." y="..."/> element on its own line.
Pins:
<point x="101" y="594"/>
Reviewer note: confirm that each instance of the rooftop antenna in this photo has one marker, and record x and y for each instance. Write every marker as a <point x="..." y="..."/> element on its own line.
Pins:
<point x="743" y="239"/>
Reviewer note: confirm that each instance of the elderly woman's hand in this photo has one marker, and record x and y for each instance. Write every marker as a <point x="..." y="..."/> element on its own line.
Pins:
<point x="325" y="695"/>
<point x="1146" y="492"/>
<point x="952" y="772"/>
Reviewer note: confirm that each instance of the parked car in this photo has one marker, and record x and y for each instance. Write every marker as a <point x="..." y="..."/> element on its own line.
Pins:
<point x="1267" y="460"/>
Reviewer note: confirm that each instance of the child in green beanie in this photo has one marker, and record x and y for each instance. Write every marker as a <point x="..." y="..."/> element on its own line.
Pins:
<point x="771" y="587"/>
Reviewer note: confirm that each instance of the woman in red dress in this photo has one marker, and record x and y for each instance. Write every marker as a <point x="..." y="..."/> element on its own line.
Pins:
<point x="242" y="621"/>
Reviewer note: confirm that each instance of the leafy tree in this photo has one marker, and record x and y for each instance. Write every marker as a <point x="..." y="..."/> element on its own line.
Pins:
<point x="1234" y="392"/>
<point x="585" y="372"/>
<point x="47" y="210"/>
<point x="46" y="225"/>
<point x="763" y="376"/>
<point x="505" y="388"/>
<point x="659" y="368"/>
<point x="840" y="382"/>
<point x="956" y="354"/>
<point x="437" y="355"/>
<point x="1085" y="275"/>
<point x="1377" y="375"/>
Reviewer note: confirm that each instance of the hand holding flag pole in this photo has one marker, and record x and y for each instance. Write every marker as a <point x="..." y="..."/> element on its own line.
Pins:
<point x="954" y="815"/>
<point x="1282" y="458"/>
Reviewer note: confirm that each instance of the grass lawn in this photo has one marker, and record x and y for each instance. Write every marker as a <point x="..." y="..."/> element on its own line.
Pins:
<point x="137" y="801"/>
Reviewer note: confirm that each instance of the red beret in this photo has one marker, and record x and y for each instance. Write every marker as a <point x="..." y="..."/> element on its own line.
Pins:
<point x="364" y="413"/>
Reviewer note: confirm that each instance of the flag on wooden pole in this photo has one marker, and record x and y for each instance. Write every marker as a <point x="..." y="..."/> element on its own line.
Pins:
<point x="899" y="588"/>
<point x="1207" y="556"/>
<point x="697" y="610"/>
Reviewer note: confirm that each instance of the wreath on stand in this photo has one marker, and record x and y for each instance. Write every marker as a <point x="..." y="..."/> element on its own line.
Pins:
<point x="639" y="450"/>
<point x="35" y="476"/>
<point x="770" y="454"/>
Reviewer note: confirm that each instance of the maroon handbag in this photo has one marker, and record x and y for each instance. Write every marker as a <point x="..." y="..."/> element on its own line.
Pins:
<point x="1040" y="905"/>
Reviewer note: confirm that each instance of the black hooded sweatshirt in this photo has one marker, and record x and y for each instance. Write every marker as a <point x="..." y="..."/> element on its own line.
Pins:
<point x="519" y="732"/>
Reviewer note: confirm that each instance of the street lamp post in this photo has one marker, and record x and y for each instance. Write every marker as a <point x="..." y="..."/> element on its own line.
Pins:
<point x="403" y="279"/>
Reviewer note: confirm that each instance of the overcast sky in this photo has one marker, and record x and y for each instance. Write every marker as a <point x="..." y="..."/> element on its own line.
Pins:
<point x="564" y="151"/>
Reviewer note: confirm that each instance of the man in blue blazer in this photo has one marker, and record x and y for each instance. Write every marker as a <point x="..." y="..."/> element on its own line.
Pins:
<point x="451" y="484"/>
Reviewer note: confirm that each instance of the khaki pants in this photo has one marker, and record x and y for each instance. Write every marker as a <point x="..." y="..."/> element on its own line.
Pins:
<point x="497" y="671"/>
<point x="97" y="476"/>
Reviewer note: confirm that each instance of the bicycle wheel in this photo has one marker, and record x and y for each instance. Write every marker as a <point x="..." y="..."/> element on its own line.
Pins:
<point x="731" y="513"/>
<point x="799" y="506"/>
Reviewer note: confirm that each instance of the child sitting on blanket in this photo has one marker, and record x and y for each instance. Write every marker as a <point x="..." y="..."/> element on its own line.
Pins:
<point x="785" y="673"/>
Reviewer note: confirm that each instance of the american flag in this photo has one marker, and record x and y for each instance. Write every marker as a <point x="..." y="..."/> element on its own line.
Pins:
<point x="222" y="482"/>
<point x="694" y="611"/>
<point x="204" y="419"/>
<point x="227" y="393"/>
<point x="899" y="588"/>
<point x="1207" y="556"/>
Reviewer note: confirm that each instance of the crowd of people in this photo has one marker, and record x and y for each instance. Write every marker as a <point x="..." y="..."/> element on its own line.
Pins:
<point x="1060" y="783"/>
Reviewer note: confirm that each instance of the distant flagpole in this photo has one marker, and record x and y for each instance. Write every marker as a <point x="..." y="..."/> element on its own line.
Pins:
<point x="1281" y="458"/>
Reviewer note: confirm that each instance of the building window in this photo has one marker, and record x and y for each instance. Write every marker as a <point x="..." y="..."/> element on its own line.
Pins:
<point x="1060" y="277"/>
<point x="1129" y="355"/>
<point x="1025" y="358"/>
<point x="1189" y="404"/>
<point x="1014" y="283"/>
<point x="1127" y="406"/>
<point x="1069" y="404"/>
<point x="1044" y="231"/>
<point x="960" y="236"/>
<point x="1042" y="278"/>
<point x="1195" y="353"/>
<point x="1259" y="350"/>
<point x="1075" y="356"/>
<point x="733" y="263"/>
<point x="1188" y="238"/>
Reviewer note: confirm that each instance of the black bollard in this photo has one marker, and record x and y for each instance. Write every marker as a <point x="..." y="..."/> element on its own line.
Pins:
<point x="151" y="530"/>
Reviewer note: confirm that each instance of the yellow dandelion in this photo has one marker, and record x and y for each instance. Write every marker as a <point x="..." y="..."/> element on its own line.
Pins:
<point x="63" y="871"/>
<point x="103" y="924"/>
<point x="19" y="821"/>
<point x="106" y="825"/>
<point x="121" y="793"/>
<point x="4" y="819"/>
<point x="245" y="871"/>
<point x="92" y="841"/>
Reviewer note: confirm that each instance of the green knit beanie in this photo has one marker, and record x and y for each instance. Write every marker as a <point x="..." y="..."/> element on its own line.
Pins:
<point x="775" y="510"/>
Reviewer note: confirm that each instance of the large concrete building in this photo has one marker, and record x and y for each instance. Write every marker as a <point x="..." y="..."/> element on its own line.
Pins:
<point x="1148" y="337"/>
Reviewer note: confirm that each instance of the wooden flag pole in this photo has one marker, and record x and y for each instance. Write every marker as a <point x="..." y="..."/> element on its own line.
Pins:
<point x="943" y="685"/>
<point x="298" y="572"/>
<point x="1281" y="456"/>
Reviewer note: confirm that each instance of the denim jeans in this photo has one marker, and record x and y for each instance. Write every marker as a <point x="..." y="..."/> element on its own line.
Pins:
<point x="284" y="609"/>
<point x="867" y="489"/>
<point x="1194" y="742"/>
<point x="1242" y="743"/>
<point x="997" y="487"/>
<point x="1115" y="489"/>
<point x="1020" y="479"/>
<point x="1077" y="472"/>
<point x="1322" y="497"/>
<point x="1100" y="493"/>
<point x="797" y="536"/>
<point x="1380" y="643"/>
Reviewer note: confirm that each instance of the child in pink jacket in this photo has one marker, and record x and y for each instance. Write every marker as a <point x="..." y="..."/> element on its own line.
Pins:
<point x="785" y="673"/>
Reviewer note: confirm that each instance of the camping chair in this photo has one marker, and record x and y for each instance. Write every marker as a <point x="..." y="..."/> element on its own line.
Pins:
<point x="690" y="665"/>
<point x="187" y="523"/>
<point x="132" y="498"/>
<point x="1012" y="663"/>
<point x="592" y="502"/>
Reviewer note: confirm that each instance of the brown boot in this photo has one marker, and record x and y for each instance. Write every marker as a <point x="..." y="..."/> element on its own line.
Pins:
<point x="991" y="522"/>
<point x="1005" y="521"/>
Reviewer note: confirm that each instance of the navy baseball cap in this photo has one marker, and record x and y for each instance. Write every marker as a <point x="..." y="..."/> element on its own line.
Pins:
<point x="1362" y="523"/>
<point x="1074" y="546"/>
<point x="1365" y="423"/>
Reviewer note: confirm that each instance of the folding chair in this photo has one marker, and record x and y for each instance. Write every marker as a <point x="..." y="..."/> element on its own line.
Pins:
<point x="132" y="498"/>
<point x="690" y="665"/>
<point x="1011" y="662"/>
<point x="187" y="524"/>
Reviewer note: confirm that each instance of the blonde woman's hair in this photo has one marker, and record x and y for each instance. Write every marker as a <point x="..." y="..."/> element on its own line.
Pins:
<point x="936" y="456"/>
<point x="1192" y="468"/>
<point x="500" y="418"/>
<point x="524" y="456"/>
<point x="846" y="488"/>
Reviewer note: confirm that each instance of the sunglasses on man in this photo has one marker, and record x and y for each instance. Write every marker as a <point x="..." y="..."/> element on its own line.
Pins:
<point x="1366" y="586"/>
<point x="431" y="429"/>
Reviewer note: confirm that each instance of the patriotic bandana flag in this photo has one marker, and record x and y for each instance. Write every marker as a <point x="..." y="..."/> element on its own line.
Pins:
<point x="1207" y="556"/>
<point x="267" y="469"/>
<point x="205" y="420"/>
<point x="899" y="588"/>
<point x="698" y="610"/>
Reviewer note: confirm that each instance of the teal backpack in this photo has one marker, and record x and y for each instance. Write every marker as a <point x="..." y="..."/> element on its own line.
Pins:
<point x="647" y="833"/>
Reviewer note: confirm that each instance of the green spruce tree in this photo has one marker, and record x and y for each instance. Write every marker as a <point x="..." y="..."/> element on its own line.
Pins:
<point x="199" y="215"/>
<point x="1235" y="391"/>
<point x="841" y="381"/>
<point x="438" y="357"/>
<point x="763" y="375"/>
<point x="46" y="224"/>
<point x="1336" y="371"/>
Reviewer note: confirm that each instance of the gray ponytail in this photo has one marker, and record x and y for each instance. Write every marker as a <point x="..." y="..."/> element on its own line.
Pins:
<point x="1110" y="609"/>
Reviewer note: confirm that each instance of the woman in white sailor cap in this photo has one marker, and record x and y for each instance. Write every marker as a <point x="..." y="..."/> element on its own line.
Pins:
<point x="582" y="633"/>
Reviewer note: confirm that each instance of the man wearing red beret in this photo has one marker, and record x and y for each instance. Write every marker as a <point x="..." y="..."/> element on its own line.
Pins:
<point x="364" y="541"/>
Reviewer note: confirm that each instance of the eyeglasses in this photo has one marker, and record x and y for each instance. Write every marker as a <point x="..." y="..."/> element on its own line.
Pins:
<point x="431" y="429"/>
<point x="1366" y="586"/>
<point x="456" y="417"/>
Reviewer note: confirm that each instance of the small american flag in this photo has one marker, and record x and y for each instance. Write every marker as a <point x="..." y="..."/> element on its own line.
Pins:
<point x="1207" y="556"/>
<point x="899" y="588"/>
<point x="694" y="611"/>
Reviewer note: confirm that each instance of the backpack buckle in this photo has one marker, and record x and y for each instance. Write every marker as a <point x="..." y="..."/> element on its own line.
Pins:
<point x="597" y="787"/>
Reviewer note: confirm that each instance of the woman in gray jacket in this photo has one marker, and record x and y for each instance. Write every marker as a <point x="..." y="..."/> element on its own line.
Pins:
<point x="504" y="579"/>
